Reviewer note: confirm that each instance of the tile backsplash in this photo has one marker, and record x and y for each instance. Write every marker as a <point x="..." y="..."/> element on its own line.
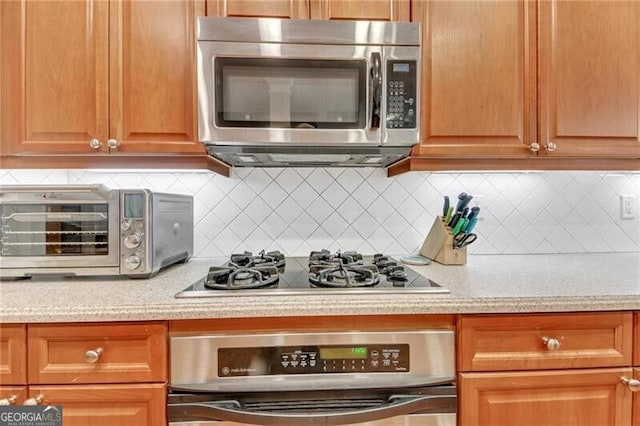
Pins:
<point x="296" y="210"/>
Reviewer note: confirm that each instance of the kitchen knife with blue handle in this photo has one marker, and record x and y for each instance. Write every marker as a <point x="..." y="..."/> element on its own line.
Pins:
<point x="471" y="223"/>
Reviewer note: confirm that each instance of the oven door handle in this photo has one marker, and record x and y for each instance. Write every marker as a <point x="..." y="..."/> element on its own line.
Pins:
<point x="232" y="410"/>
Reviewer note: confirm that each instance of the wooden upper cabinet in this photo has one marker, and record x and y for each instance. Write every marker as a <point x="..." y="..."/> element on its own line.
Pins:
<point x="376" y="10"/>
<point x="478" y="78"/>
<point x="73" y="71"/>
<point x="152" y="76"/>
<point x="293" y="9"/>
<point x="590" y="77"/>
<point x="54" y="76"/>
<point x="379" y="10"/>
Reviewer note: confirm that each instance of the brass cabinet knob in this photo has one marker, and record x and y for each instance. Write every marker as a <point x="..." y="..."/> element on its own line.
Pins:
<point x="11" y="400"/>
<point x="92" y="356"/>
<point x="551" y="343"/>
<point x="534" y="147"/>
<point x="632" y="384"/>
<point x="36" y="400"/>
<point x="95" y="144"/>
<point x="550" y="147"/>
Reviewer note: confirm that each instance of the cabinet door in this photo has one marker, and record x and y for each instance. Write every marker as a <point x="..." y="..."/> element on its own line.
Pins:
<point x="54" y="76"/>
<point x="106" y="405"/>
<point x="152" y="76"/>
<point x="378" y="10"/>
<point x="590" y="77"/>
<point x="636" y="400"/>
<point x="478" y="78"/>
<point x="545" y="398"/>
<point x="293" y="9"/>
<point x="13" y="354"/>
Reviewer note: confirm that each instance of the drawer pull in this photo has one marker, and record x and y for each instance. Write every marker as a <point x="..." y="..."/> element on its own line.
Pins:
<point x="92" y="356"/>
<point x="9" y="400"/>
<point x="632" y="384"/>
<point x="551" y="343"/>
<point x="36" y="400"/>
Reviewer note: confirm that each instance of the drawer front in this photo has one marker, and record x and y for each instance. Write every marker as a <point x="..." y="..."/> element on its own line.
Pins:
<point x="13" y="354"/>
<point x="98" y="353"/>
<point x="544" y="341"/>
<point x="13" y="395"/>
<point x="106" y="405"/>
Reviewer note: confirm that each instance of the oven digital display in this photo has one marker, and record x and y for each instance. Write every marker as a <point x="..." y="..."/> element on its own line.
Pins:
<point x="133" y="206"/>
<point x="344" y="353"/>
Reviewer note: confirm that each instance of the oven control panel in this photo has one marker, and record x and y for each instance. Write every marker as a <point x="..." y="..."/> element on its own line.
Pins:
<point x="326" y="359"/>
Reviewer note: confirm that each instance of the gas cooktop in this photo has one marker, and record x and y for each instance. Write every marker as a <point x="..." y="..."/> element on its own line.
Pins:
<point x="322" y="272"/>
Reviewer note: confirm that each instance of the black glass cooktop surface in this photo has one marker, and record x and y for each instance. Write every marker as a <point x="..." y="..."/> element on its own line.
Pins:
<point x="322" y="273"/>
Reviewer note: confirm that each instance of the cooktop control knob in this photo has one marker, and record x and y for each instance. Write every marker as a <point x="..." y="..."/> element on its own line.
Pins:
<point x="132" y="262"/>
<point x="125" y="225"/>
<point x="132" y="241"/>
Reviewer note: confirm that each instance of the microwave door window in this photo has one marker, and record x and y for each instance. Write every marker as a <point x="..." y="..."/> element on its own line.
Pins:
<point x="54" y="230"/>
<point x="290" y="93"/>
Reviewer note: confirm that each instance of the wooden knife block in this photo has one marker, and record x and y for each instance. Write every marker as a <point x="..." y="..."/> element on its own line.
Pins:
<point x="438" y="245"/>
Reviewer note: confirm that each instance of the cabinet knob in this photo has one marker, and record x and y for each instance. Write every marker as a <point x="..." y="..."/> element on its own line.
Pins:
<point x="36" y="400"/>
<point x="534" y="147"/>
<point x="9" y="400"/>
<point x="551" y="343"/>
<point x="92" y="356"/>
<point x="113" y="144"/>
<point x="95" y="144"/>
<point x="550" y="147"/>
<point x="632" y="384"/>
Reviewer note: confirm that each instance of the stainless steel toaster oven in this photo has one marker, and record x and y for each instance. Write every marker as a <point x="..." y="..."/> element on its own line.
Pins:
<point x="91" y="230"/>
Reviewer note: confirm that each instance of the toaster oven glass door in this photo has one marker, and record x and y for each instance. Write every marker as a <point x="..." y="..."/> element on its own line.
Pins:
<point x="59" y="234"/>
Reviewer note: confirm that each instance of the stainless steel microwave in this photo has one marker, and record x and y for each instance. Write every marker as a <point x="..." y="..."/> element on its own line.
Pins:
<point x="92" y="230"/>
<point x="279" y="92"/>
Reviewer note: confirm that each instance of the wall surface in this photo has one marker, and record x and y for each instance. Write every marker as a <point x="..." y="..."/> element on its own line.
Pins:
<point x="298" y="210"/>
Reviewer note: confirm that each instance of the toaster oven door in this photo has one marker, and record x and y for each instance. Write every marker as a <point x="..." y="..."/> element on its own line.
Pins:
<point x="61" y="234"/>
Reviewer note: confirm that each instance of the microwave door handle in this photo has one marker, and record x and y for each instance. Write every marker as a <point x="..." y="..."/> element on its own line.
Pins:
<point x="55" y="216"/>
<point x="233" y="411"/>
<point x="376" y="89"/>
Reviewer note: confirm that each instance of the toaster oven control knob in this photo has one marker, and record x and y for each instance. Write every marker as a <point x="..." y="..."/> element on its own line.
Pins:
<point x="132" y="262"/>
<point x="132" y="241"/>
<point x="125" y="225"/>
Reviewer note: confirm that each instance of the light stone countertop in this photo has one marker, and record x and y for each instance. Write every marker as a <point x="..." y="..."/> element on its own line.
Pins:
<point x="487" y="284"/>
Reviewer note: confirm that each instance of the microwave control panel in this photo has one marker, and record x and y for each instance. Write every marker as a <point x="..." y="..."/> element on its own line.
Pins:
<point x="326" y="359"/>
<point x="401" y="94"/>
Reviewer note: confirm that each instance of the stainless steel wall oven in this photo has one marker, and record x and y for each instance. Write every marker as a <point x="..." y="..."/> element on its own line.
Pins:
<point x="377" y="378"/>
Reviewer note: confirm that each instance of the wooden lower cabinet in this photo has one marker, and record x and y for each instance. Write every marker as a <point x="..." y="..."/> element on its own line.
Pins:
<point x="592" y="397"/>
<point x="106" y="405"/>
<point x="636" y="400"/>
<point x="13" y="395"/>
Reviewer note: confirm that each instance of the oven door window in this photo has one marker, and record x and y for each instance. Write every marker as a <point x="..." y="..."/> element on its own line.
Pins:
<point x="54" y="230"/>
<point x="290" y="93"/>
